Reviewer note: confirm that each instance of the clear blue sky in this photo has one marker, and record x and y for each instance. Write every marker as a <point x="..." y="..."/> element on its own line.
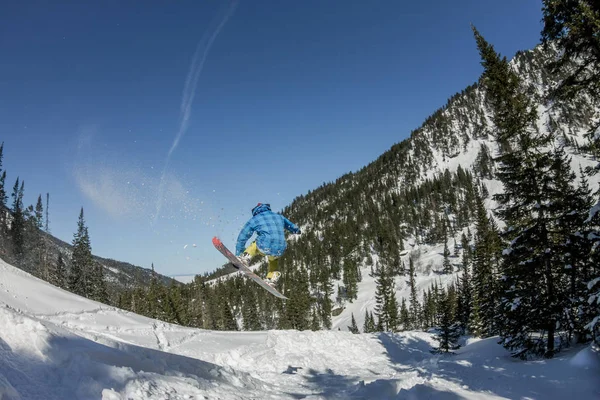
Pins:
<point x="291" y="94"/>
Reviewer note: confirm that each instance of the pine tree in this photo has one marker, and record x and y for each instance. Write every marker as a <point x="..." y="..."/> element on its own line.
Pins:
<point x="211" y="312"/>
<point x="3" y="195"/>
<point x="97" y="284"/>
<point x="350" y="278"/>
<point x="196" y="302"/>
<point x="39" y="213"/>
<point x="484" y="286"/>
<point x="386" y="308"/>
<point x="404" y="316"/>
<point x="154" y="297"/>
<point x="298" y="307"/>
<point x="353" y="328"/>
<point x="58" y="273"/>
<point x="251" y="321"/>
<point x="81" y="259"/>
<point x="366" y="323"/>
<point x="465" y="304"/>
<point x="414" y="301"/>
<point x="466" y="253"/>
<point x="429" y="309"/>
<point x="175" y="307"/>
<point x="3" y="200"/>
<point x="47" y="228"/>
<point x="447" y="266"/>
<point x="573" y="25"/>
<point x="449" y="329"/>
<point x="392" y="309"/>
<point x="381" y="293"/>
<point x="573" y="245"/>
<point x="38" y="242"/>
<point x="228" y="322"/>
<point x="325" y="301"/>
<point x="369" y="324"/>
<point x="17" y="225"/>
<point x="594" y="301"/>
<point x="314" y="321"/>
<point x="529" y="311"/>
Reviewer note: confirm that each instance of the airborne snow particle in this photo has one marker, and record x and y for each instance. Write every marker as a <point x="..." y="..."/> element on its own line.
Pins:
<point x="184" y="247"/>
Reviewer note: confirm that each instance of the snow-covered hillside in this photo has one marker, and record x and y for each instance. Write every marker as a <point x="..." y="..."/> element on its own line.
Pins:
<point x="453" y="138"/>
<point x="56" y="345"/>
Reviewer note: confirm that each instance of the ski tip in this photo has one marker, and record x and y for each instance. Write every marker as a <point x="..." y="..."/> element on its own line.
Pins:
<point x="216" y="241"/>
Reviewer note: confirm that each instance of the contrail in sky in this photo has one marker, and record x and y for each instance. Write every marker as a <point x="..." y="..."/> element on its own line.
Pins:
<point x="189" y="89"/>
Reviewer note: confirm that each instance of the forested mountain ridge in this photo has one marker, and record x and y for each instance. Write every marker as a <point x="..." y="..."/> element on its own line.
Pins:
<point x="456" y="140"/>
<point x="448" y="138"/>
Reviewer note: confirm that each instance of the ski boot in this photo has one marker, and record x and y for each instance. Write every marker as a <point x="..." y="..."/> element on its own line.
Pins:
<point x="272" y="278"/>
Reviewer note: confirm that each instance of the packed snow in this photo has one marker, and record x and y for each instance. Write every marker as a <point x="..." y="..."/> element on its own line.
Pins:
<point x="57" y="345"/>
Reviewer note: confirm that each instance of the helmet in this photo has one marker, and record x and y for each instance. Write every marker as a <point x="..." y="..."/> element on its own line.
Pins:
<point x="268" y="206"/>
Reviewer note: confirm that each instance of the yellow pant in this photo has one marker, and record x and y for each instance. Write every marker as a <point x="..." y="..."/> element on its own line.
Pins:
<point x="273" y="261"/>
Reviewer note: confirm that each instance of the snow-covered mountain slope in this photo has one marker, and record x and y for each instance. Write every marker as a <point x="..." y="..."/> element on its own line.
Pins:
<point x="57" y="345"/>
<point x="452" y="137"/>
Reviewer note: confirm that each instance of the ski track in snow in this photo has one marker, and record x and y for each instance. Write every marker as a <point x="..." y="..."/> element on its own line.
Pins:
<point x="56" y="345"/>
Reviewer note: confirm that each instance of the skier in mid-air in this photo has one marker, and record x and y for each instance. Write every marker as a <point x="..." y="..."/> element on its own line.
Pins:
<point x="270" y="240"/>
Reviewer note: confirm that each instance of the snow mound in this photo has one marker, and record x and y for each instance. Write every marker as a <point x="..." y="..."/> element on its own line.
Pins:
<point x="589" y="357"/>
<point x="56" y="345"/>
<point x="44" y="361"/>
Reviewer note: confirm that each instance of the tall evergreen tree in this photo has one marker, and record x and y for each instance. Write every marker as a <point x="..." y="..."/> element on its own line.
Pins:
<point x="17" y="225"/>
<point x="351" y="278"/>
<point x="381" y="295"/>
<point x="447" y="266"/>
<point x="404" y="316"/>
<point x="298" y="307"/>
<point x="315" y="325"/>
<point x="196" y="302"/>
<point x="228" y="322"/>
<point x="155" y="298"/>
<point x="574" y="26"/>
<point x="38" y="242"/>
<point x="175" y="308"/>
<point x="449" y="329"/>
<point x="369" y="324"/>
<point x="530" y="311"/>
<point x="466" y="250"/>
<point x="251" y="321"/>
<point x="485" y="291"/>
<point x="573" y="244"/>
<point x="39" y="213"/>
<point x="414" y="301"/>
<point x="465" y="304"/>
<point x="3" y="200"/>
<point x="47" y="228"/>
<point x="326" y="288"/>
<point x="353" y="328"/>
<point x="3" y="196"/>
<point x="58" y="273"/>
<point x="97" y="284"/>
<point x="81" y="259"/>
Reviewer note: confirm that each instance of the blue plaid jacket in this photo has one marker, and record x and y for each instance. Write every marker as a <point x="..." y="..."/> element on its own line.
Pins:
<point x="269" y="228"/>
